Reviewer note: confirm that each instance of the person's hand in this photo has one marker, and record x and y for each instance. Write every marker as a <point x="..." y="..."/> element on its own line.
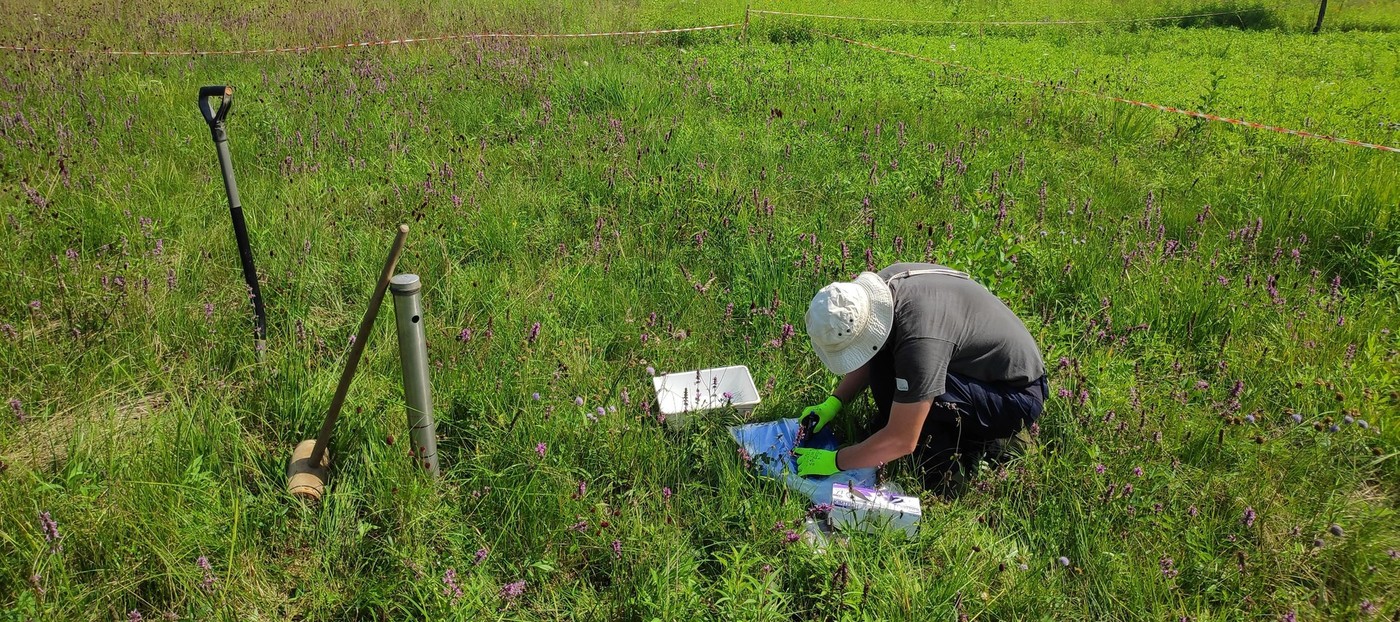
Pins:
<point x="815" y="462"/>
<point x="825" y="412"/>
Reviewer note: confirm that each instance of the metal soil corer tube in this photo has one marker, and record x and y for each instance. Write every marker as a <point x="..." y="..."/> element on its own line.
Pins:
<point x="413" y="355"/>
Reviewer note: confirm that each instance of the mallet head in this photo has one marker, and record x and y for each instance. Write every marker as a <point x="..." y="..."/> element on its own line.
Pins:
<point x="304" y="479"/>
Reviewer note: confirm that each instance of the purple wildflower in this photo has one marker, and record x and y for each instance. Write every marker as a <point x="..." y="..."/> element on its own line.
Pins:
<point x="1249" y="517"/>
<point x="18" y="408"/>
<point x="50" y="527"/>
<point x="651" y="371"/>
<point x="1192" y="511"/>
<point x="601" y="411"/>
<point x="790" y="537"/>
<point x="134" y="616"/>
<point x="1099" y="468"/>
<point x="1168" y="567"/>
<point x="1202" y="385"/>
<point x="666" y="493"/>
<point x="617" y="548"/>
<point x="465" y="335"/>
<point x="540" y="448"/>
<point x="480" y="556"/>
<point x="580" y="526"/>
<point x="578" y="401"/>
<point x="1335" y="529"/>
<point x="9" y="331"/>
<point x="1137" y="471"/>
<point x="1064" y="561"/>
<point x="36" y="582"/>
<point x="450" y="588"/>
<point x="208" y="584"/>
<point x="1297" y="418"/>
<point x="535" y="396"/>
<point x="208" y="311"/>
<point x="511" y="591"/>
<point x="34" y="304"/>
<point x="534" y="333"/>
<point x="1368" y="608"/>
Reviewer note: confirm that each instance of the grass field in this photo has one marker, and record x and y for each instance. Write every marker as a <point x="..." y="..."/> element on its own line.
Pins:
<point x="1218" y="307"/>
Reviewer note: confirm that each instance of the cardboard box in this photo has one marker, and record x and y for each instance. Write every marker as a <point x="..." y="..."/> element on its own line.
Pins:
<point x="870" y="510"/>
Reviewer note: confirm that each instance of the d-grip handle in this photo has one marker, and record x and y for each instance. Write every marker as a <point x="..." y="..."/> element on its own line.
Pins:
<point x="215" y="118"/>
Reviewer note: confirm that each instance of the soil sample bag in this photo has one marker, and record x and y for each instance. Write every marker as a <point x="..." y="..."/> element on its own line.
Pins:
<point x="770" y="446"/>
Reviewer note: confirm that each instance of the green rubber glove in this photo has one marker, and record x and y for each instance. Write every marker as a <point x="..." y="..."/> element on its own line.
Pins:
<point x="815" y="461"/>
<point x="825" y="412"/>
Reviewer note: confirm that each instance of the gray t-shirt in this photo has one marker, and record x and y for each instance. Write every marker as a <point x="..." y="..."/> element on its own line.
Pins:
<point x="947" y="324"/>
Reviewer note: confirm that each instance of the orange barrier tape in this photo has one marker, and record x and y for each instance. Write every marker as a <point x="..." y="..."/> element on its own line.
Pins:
<point x="1008" y="23"/>
<point x="1190" y="113"/>
<point x="365" y="44"/>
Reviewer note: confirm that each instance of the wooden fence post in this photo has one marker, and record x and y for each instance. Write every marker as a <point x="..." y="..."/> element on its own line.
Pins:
<point x="746" y="22"/>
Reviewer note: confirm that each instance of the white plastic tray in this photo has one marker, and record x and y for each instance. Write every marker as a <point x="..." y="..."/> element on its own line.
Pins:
<point x="682" y="393"/>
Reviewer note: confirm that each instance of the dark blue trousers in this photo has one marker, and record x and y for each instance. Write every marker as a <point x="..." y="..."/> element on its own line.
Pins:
<point x="970" y="419"/>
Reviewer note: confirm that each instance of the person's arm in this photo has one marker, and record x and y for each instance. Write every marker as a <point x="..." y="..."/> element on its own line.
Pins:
<point x="852" y="384"/>
<point x="897" y="439"/>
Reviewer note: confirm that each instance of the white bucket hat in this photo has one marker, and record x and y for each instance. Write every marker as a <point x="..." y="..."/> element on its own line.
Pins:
<point x="848" y="322"/>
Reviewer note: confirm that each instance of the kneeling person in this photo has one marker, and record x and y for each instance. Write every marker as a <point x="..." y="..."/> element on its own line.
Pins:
<point x="953" y="371"/>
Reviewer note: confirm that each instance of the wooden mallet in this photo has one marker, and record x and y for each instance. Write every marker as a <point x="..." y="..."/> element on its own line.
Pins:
<point x="306" y="473"/>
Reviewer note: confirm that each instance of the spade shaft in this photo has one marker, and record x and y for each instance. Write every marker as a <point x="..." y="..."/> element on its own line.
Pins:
<point x="215" y="119"/>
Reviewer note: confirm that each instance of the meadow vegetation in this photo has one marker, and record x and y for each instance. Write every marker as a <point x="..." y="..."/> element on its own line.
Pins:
<point x="1217" y="305"/>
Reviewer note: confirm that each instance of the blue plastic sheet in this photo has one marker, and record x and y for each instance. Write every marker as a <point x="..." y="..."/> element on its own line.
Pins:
<point x="770" y="445"/>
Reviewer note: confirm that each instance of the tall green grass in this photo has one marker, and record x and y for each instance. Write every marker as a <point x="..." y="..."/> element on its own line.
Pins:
<point x="590" y="185"/>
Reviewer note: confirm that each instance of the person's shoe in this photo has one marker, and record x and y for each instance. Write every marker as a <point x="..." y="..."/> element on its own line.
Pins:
<point x="1004" y="449"/>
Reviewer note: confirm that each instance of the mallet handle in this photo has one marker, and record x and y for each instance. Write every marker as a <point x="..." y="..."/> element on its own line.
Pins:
<point x="356" y="349"/>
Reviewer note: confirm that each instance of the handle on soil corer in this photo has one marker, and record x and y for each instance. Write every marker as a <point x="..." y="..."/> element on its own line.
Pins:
<point x="215" y="119"/>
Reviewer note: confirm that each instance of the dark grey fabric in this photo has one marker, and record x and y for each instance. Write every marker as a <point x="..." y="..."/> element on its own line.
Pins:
<point x="946" y="324"/>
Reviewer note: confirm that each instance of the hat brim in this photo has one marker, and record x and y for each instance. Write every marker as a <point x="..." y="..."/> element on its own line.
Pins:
<point x="872" y="335"/>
